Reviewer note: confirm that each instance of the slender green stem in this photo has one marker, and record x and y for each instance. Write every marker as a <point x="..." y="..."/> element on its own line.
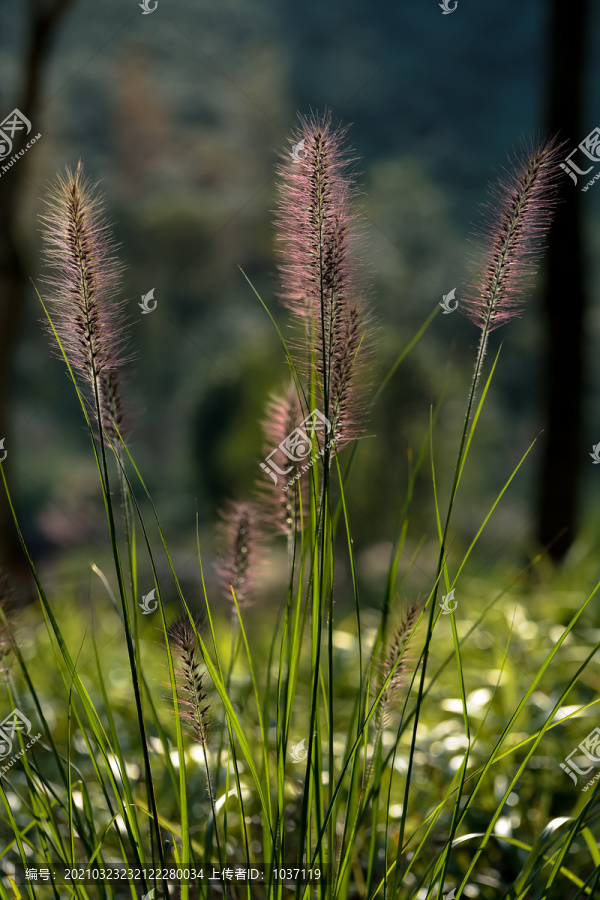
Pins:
<point x="433" y="596"/>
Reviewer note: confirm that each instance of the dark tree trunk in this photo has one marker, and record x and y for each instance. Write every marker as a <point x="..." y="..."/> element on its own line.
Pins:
<point x="565" y="299"/>
<point x="42" y="21"/>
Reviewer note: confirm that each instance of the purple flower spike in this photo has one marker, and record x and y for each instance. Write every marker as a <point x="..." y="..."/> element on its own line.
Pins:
<point x="238" y="569"/>
<point x="519" y="215"/>
<point x="321" y="282"/>
<point x="84" y="283"/>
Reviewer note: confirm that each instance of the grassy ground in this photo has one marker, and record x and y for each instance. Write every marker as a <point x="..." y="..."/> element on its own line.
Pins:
<point x="507" y="623"/>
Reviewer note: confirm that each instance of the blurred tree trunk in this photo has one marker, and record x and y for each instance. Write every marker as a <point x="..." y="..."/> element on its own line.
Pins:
<point x="42" y="21"/>
<point x="565" y="298"/>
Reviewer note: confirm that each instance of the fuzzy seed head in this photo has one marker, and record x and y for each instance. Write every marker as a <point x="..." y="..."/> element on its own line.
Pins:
<point x="320" y="274"/>
<point x="238" y="568"/>
<point x="518" y="216"/>
<point x="282" y="510"/>
<point x="191" y="677"/>
<point x="84" y="283"/>
<point x="396" y="651"/>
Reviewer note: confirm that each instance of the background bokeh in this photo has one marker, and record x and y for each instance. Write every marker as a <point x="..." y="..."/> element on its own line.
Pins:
<point x="181" y="115"/>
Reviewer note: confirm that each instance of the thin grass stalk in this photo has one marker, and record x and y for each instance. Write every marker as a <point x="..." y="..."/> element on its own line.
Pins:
<point x="316" y="610"/>
<point x="374" y="820"/>
<point x="70" y="785"/>
<point x="350" y="541"/>
<point x="130" y="648"/>
<point x="278" y="820"/>
<point x="298" y="628"/>
<point x="213" y="674"/>
<point x="301" y="611"/>
<point x="234" y="641"/>
<point x="433" y="597"/>
<point x="281" y="711"/>
<point x="260" y="719"/>
<point x="463" y="768"/>
<point x="212" y="800"/>
<point x="321" y="510"/>
<point x="182" y="770"/>
<point x="331" y="773"/>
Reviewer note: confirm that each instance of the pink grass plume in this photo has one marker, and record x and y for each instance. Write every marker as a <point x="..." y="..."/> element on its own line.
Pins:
<point x="518" y="216"/>
<point x="238" y="568"/>
<point x="284" y="504"/>
<point x="84" y="283"/>
<point x="321" y="279"/>
<point x="190" y="677"/>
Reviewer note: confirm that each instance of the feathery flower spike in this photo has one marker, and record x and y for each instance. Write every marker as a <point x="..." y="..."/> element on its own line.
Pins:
<point x="392" y="653"/>
<point x="519" y="215"/>
<point x="190" y="676"/>
<point x="84" y="284"/>
<point x="396" y="650"/>
<point x="237" y="570"/>
<point x="281" y="509"/>
<point x="320" y="277"/>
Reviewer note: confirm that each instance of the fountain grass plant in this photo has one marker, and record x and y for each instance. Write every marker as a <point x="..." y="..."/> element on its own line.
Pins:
<point x="290" y="740"/>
